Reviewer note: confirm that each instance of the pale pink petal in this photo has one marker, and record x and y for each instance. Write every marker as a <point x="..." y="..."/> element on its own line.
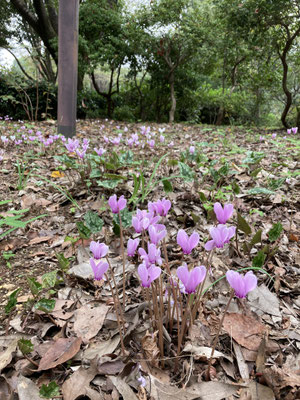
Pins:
<point x="250" y="281"/>
<point x="209" y="245"/>
<point x="183" y="274"/>
<point x="194" y="240"/>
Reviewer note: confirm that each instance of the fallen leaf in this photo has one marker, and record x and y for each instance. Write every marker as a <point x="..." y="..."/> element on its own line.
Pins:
<point x="59" y="352"/>
<point x="57" y="174"/>
<point x="245" y="330"/>
<point x="203" y="352"/>
<point x="27" y="390"/>
<point x="6" y="392"/>
<point x="78" y="384"/>
<point x="262" y="300"/>
<point x="39" y="239"/>
<point x="256" y="391"/>
<point x="89" y="320"/>
<point x="149" y="345"/>
<point x="243" y="367"/>
<point x="123" y="388"/>
<point x="6" y="355"/>
<point x="99" y="349"/>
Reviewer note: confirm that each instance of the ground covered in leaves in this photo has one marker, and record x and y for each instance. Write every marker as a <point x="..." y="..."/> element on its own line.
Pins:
<point x="59" y="334"/>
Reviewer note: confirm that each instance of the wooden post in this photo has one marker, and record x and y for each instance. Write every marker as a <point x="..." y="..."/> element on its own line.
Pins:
<point x="67" y="66"/>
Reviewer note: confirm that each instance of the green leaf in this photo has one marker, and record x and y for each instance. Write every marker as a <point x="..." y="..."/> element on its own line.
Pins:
<point x="116" y="228"/>
<point x="49" y="391"/>
<point x="111" y="184"/>
<point x="275" y="232"/>
<point x="167" y="186"/>
<point x="186" y="172"/>
<point x="12" y="301"/>
<point x="259" y="259"/>
<point x="25" y="346"/>
<point x="63" y="262"/>
<point x="126" y="218"/>
<point x="34" y="286"/>
<point x="242" y="224"/>
<point x="260" y="190"/>
<point x="235" y="187"/>
<point x="93" y="221"/>
<point x="45" y="305"/>
<point x="84" y="231"/>
<point x="202" y="197"/>
<point x="256" y="238"/>
<point x="49" y="279"/>
<point x="172" y="162"/>
<point x="95" y="173"/>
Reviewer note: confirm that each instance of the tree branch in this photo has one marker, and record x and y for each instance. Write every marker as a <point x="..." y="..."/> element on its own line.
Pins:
<point x="20" y="65"/>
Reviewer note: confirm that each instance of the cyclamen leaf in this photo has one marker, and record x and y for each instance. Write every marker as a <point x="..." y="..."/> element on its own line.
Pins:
<point x="186" y="172"/>
<point x="12" y="301"/>
<point x="25" y="346"/>
<point x="167" y="186"/>
<point x="49" y="279"/>
<point x="260" y="190"/>
<point x="111" y="184"/>
<point x="243" y="225"/>
<point x="45" y="305"/>
<point x="259" y="259"/>
<point x="275" y="232"/>
<point x="93" y="221"/>
<point x="256" y="238"/>
<point x="34" y="286"/>
<point x="49" y="391"/>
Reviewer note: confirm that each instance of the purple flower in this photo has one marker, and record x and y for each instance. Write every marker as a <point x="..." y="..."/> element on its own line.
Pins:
<point x="220" y="236"/>
<point x="241" y="284"/>
<point x="187" y="243"/>
<point x="72" y="145"/>
<point x="142" y="220"/>
<point x="261" y="138"/>
<point x="161" y="138"/>
<point x="99" y="269"/>
<point x="151" y="143"/>
<point x="152" y="257"/>
<point x="274" y="135"/>
<point x="100" y="151"/>
<point x="156" y="233"/>
<point x="223" y="215"/>
<point x="132" y="245"/>
<point x="295" y="130"/>
<point x="81" y="154"/>
<point x="117" y="205"/>
<point x="148" y="275"/>
<point x="191" y="279"/>
<point x="288" y="131"/>
<point x="160" y="207"/>
<point x="98" y="249"/>
<point x="192" y="149"/>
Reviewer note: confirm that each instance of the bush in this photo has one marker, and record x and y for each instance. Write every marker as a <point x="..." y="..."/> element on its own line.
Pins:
<point x="123" y="113"/>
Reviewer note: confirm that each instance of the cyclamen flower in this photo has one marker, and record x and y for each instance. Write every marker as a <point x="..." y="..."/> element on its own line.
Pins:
<point x="151" y="143"/>
<point x="187" y="243"/>
<point x="98" y="249"/>
<point x="142" y="220"/>
<point x="152" y="257"/>
<point x="288" y="131"/>
<point x="223" y="214"/>
<point x="191" y="279"/>
<point x="100" y="151"/>
<point x="192" y="149"/>
<point x="117" y="205"/>
<point x="81" y="154"/>
<point x="148" y="275"/>
<point x="295" y="130"/>
<point x="241" y="284"/>
<point x="99" y="269"/>
<point x="156" y="233"/>
<point x="132" y="245"/>
<point x="160" y="207"/>
<point x="274" y="135"/>
<point x="72" y="145"/>
<point x="161" y="138"/>
<point x="220" y="236"/>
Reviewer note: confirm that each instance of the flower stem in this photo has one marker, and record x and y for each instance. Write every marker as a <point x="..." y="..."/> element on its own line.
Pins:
<point x="217" y="337"/>
<point x="123" y="255"/>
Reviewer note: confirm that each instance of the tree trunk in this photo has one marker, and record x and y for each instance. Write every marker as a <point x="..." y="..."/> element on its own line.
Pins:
<point x="173" y="98"/>
<point x="287" y="93"/>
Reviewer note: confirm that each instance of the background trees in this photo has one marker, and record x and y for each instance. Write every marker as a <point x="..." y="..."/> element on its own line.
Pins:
<point x="213" y="61"/>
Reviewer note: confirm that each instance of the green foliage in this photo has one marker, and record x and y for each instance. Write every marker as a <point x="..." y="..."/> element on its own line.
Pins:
<point x="12" y="301"/>
<point x="45" y="305"/>
<point x="25" y="346"/>
<point x="49" y="391"/>
<point x="275" y="232"/>
<point x="93" y="222"/>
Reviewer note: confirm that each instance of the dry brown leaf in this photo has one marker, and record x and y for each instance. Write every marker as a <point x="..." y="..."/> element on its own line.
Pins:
<point x="6" y="355"/>
<point x="243" y="367"/>
<point x="78" y="384"/>
<point x="27" y="390"/>
<point x="123" y="388"/>
<point x="59" y="352"/>
<point x="244" y="329"/>
<point x="89" y="320"/>
<point x="149" y="345"/>
<point x="39" y="239"/>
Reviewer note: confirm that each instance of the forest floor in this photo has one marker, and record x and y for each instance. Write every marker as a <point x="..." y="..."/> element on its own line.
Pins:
<point x="59" y="333"/>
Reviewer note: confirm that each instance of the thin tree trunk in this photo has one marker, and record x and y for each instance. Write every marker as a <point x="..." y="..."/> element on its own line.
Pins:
<point x="173" y="98"/>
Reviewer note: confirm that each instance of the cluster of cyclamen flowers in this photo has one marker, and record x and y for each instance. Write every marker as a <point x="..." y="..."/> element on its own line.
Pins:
<point x="147" y="223"/>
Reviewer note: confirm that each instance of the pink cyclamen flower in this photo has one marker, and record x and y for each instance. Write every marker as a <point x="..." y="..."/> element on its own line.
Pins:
<point x="99" y="269"/>
<point x="274" y="135"/>
<point x="100" y="151"/>
<point x="187" y="243"/>
<point x="132" y="245"/>
<point x="161" y="138"/>
<point x="156" y="233"/>
<point x="98" y="249"/>
<point x="261" y="138"/>
<point x="241" y="284"/>
<point x="192" y="149"/>
<point x="160" y="207"/>
<point x="152" y="257"/>
<point x="288" y="131"/>
<point x="220" y="235"/>
<point x="148" y="275"/>
<point x="191" y="279"/>
<point x="223" y="214"/>
<point x="72" y="145"/>
<point x="295" y="130"/>
<point x="117" y="205"/>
